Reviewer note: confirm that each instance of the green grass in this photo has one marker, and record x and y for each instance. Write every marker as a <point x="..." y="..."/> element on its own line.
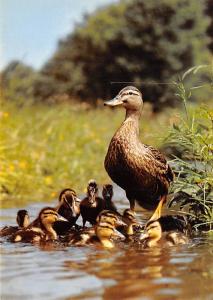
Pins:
<point x="192" y="140"/>
<point x="47" y="148"/>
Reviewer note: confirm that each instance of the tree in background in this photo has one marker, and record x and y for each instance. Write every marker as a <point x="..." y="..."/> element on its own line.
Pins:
<point x="209" y="12"/>
<point x="17" y="82"/>
<point x="133" y="41"/>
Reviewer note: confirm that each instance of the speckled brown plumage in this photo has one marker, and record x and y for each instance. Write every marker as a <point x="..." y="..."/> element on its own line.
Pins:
<point x="141" y="170"/>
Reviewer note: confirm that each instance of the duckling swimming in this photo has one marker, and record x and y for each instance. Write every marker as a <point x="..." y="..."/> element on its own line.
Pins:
<point x="102" y="233"/>
<point x="43" y="229"/>
<point x="130" y="220"/>
<point x="22" y="220"/>
<point x="141" y="170"/>
<point x="107" y="194"/>
<point x="153" y="236"/>
<point x="69" y="208"/>
<point x="175" y="223"/>
<point x="91" y="205"/>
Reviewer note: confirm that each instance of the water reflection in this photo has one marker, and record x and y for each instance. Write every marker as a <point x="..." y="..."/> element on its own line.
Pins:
<point x="52" y="271"/>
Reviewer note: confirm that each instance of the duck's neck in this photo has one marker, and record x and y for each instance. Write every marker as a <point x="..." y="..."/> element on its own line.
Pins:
<point x="50" y="232"/>
<point x="129" y="230"/>
<point x="133" y="116"/>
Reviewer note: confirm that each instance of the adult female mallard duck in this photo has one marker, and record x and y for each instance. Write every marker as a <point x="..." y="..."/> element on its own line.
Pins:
<point x="69" y="208"/>
<point x="22" y="220"/>
<point x="43" y="230"/>
<point x="153" y="235"/>
<point x="91" y="205"/>
<point x="141" y="170"/>
<point x="104" y="232"/>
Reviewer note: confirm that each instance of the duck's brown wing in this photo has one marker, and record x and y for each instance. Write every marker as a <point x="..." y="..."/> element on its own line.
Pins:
<point x="159" y="164"/>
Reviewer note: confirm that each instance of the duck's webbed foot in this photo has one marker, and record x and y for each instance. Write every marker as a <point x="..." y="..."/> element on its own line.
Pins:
<point x="157" y="213"/>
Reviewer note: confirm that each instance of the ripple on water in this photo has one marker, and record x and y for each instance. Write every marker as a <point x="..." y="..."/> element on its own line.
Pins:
<point x="126" y="272"/>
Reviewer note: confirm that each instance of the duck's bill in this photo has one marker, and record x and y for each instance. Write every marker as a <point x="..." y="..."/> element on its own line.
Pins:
<point x="120" y="222"/>
<point x="60" y="218"/>
<point x="143" y="236"/>
<point x="118" y="234"/>
<point x="113" y="102"/>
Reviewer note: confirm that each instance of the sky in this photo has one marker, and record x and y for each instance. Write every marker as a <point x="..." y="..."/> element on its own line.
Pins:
<point x="30" y="29"/>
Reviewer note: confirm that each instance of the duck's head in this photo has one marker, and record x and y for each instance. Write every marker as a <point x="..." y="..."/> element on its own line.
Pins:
<point x="130" y="220"/>
<point x="152" y="232"/>
<point x="106" y="223"/>
<point x="92" y="190"/>
<point x="69" y="199"/>
<point x="48" y="216"/>
<point x="129" y="97"/>
<point x="107" y="192"/>
<point x="22" y="219"/>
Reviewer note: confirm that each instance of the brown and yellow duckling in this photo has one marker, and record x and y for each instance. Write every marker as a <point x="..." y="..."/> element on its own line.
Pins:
<point x="43" y="230"/>
<point x="69" y="208"/>
<point x="22" y="220"/>
<point x="91" y="205"/>
<point x="104" y="232"/>
<point x="107" y="194"/>
<point x="141" y="170"/>
<point x="154" y="236"/>
<point x="130" y="220"/>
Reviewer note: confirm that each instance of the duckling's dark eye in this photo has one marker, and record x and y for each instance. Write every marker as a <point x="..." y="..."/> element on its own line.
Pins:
<point x="130" y="93"/>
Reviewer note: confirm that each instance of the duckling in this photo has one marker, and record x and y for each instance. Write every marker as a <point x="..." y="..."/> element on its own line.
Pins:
<point x="141" y="170"/>
<point x="105" y="229"/>
<point x="153" y="236"/>
<point x="101" y="233"/>
<point x="69" y="208"/>
<point x="44" y="229"/>
<point x="130" y="220"/>
<point x="22" y="220"/>
<point x="91" y="205"/>
<point x="107" y="194"/>
<point x="175" y="222"/>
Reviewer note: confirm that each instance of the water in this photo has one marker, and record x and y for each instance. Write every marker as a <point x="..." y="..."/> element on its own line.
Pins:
<point x="91" y="272"/>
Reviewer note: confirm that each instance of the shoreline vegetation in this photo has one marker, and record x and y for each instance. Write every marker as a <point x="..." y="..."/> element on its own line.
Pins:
<point x="45" y="148"/>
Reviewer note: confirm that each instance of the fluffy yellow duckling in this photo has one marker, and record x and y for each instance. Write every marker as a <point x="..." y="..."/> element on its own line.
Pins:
<point x="103" y="232"/>
<point x="43" y="229"/>
<point x="153" y="236"/>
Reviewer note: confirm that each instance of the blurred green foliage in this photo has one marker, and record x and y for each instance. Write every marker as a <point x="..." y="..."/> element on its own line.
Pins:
<point x="17" y="83"/>
<point x="208" y="11"/>
<point x="44" y="149"/>
<point x="133" y="41"/>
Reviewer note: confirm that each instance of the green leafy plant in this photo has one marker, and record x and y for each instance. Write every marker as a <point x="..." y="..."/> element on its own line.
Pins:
<point x="192" y="139"/>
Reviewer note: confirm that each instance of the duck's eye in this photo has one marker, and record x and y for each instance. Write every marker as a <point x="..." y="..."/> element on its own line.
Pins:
<point x="130" y="93"/>
<point x="125" y="101"/>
